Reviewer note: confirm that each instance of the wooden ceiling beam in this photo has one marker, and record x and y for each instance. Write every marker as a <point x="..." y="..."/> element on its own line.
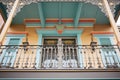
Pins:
<point x="42" y="18"/>
<point x="76" y="20"/>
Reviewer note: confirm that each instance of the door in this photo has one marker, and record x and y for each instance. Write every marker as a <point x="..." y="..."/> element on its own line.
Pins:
<point x="59" y="52"/>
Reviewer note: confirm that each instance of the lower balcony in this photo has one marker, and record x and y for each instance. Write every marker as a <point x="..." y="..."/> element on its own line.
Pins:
<point x="60" y="58"/>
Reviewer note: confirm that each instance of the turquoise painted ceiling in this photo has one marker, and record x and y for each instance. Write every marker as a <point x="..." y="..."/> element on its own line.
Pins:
<point x="68" y="10"/>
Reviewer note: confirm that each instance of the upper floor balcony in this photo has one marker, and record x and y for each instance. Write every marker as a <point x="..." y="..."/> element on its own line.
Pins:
<point x="60" y="57"/>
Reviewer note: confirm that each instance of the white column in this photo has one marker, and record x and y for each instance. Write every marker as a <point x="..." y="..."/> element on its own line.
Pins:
<point x="9" y="20"/>
<point x="112" y="21"/>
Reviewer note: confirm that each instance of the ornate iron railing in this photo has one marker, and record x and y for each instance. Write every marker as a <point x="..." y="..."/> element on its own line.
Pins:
<point x="59" y="57"/>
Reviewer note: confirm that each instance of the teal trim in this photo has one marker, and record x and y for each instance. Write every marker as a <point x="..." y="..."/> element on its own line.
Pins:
<point x="60" y="16"/>
<point x="81" y="24"/>
<point x="38" y="54"/>
<point x="103" y="35"/>
<point x="68" y="24"/>
<point x="51" y="24"/>
<point x="15" y="36"/>
<point x="86" y="24"/>
<point x="32" y="24"/>
<point x="55" y="33"/>
<point x="80" y="56"/>
<point x="41" y="14"/>
<point x="78" y="14"/>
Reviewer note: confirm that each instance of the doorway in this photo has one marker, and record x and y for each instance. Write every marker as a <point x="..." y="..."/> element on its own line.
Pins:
<point x="59" y="52"/>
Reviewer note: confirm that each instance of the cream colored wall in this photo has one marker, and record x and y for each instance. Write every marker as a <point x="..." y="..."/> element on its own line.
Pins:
<point x="32" y="35"/>
<point x="85" y="37"/>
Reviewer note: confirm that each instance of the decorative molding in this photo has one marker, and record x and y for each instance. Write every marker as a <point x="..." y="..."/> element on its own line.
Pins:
<point x="17" y="34"/>
<point x="22" y="3"/>
<point x="101" y="32"/>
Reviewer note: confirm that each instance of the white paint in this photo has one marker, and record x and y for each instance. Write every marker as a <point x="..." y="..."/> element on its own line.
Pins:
<point x="118" y="21"/>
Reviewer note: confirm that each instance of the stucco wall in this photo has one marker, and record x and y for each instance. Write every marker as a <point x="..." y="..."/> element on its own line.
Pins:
<point x="85" y="37"/>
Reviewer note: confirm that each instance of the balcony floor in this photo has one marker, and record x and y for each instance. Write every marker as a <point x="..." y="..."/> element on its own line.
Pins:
<point x="50" y="75"/>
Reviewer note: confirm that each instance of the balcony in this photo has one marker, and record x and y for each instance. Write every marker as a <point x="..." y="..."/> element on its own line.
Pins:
<point x="60" y="58"/>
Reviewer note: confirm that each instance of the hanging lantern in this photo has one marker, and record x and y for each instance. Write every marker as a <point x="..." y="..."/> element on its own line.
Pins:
<point x="60" y="28"/>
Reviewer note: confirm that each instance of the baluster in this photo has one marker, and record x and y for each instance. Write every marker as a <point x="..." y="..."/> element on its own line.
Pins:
<point x="114" y="64"/>
<point x="93" y="49"/>
<point x="74" y="64"/>
<point x="31" y="56"/>
<point x="13" y="56"/>
<point x="2" y="57"/>
<point x="104" y="53"/>
<point x="8" y="59"/>
<point x="51" y="61"/>
<point x="44" y="57"/>
<point x="34" y="62"/>
<point x="23" y="59"/>
<point x="47" y="63"/>
<point x="89" y="58"/>
<point x="69" y="57"/>
<point x="109" y="56"/>
<point x="98" y="60"/>
<point x="56" y="56"/>
<point x="66" y="58"/>
<point x="1" y="51"/>
<point x="27" y="58"/>
<point x="18" y="61"/>
<point x="85" y="49"/>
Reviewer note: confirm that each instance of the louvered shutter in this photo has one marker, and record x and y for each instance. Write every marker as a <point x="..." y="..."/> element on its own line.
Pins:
<point x="13" y="41"/>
